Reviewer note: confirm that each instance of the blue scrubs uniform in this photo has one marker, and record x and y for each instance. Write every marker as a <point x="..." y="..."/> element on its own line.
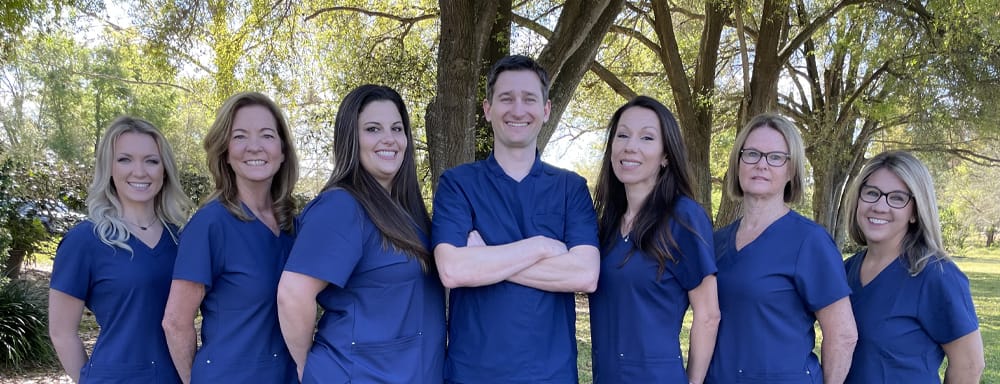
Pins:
<point x="383" y="319"/>
<point x="507" y="332"/>
<point x="239" y="262"/>
<point x="903" y="320"/>
<point x="769" y="292"/>
<point x="636" y="316"/>
<point x="127" y="292"/>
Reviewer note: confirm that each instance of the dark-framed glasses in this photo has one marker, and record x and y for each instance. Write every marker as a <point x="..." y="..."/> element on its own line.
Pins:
<point x="895" y="199"/>
<point x="753" y="156"/>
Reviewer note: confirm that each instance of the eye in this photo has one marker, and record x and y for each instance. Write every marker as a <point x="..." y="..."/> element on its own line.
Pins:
<point x="898" y="198"/>
<point x="371" y="128"/>
<point x="153" y="161"/>
<point x="753" y="154"/>
<point x="239" y="136"/>
<point x="621" y="136"/>
<point x="870" y="193"/>
<point x="397" y="128"/>
<point x="775" y="157"/>
<point x="123" y="160"/>
<point x="648" y="138"/>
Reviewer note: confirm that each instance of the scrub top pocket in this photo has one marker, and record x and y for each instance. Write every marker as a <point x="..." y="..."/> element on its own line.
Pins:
<point x="380" y="362"/>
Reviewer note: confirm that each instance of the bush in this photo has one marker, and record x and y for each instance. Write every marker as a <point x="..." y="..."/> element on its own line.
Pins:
<point x="24" y="335"/>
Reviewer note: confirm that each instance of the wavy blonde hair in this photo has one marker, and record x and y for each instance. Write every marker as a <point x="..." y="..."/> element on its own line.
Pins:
<point x="104" y="207"/>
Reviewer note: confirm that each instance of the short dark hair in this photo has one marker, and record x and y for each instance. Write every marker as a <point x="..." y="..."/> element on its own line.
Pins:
<point x="516" y="63"/>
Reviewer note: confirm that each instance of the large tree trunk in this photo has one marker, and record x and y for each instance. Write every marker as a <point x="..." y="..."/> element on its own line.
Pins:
<point x="451" y="116"/>
<point x="498" y="46"/>
<point x="570" y="52"/>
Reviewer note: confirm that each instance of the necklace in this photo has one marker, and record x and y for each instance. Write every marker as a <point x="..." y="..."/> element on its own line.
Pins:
<point x="627" y="225"/>
<point x="141" y="227"/>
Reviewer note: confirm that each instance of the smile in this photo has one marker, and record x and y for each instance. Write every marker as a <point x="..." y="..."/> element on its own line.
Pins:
<point x="386" y="154"/>
<point x="255" y="163"/>
<point x="877" y="221"/>
<point x="139" y="185"/>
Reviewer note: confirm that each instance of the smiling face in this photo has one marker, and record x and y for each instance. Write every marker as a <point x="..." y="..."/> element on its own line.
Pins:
<point x="137" y="169"/>
<point x="381" y="140"/>
<point x="517" y="109"/>
<point x="880" y="223"/>
<point x="637" y="148"/>
<point x="763" y="180"/>
<point x="255" y="151"/>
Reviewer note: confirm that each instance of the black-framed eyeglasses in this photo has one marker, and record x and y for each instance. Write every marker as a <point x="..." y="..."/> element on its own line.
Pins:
<point x="774" y="159"/>
<point x="895" y="199"/>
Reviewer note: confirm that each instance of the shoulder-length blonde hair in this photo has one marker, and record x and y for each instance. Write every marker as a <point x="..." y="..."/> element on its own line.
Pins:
<point x="216" y="145"/>
<point x="796" y="156"/>
<point x="104" y="207"/>
<point x="922" y="242"/>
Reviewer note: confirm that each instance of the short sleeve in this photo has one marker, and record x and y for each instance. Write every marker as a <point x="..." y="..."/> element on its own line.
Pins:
<point x="945" y="309"/>
<point x="819" y="271"/>
<point x="71" y="270"/>
<point x="692" y="231"/>
<point x="199" y="252"/>
<point x="452" y="220"/>
<point x="581" y="220"/>
<point x="330" y="239"/>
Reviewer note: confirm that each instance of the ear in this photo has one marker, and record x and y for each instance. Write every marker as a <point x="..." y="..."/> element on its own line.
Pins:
<point x="548" y="109"/>
<point x="486" y="109"/>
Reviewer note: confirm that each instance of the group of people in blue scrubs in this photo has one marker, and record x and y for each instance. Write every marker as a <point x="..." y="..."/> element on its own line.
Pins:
<point x="512" y="239"/>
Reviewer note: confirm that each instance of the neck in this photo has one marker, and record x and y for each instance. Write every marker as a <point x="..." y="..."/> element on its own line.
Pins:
<point x="139" y="214"/>
<point x="758" y="212"/>
<point x="257" y="198"/>
<point x="635" y="197"/>
<point x="883" y="252"/>
<point x="516" y="162"/>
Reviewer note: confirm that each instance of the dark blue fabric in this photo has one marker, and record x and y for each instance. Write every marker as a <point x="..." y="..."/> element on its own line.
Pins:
<point x="507" y="332"/>
<point x="383" y="319"/>
<point x="769" y="292"/>
<point x="635" y="317"/>
<point x="127" y="292"/>
<point x="239" y="262"/>
<point x="903" y="320"/>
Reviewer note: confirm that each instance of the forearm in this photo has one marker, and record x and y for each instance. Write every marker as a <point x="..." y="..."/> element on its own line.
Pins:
<point x="573" y="271"/>
<point x="966" y="360"/>
<point x="701" y="347"/>
<point x="485" y="265"/>
<point x="71" y="353"/>
<point x="182" y="343"/>
<point x="297" y="320"/>
<point x="836" y="359"/>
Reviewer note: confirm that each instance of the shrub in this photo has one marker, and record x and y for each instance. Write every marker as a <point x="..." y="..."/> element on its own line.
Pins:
<point x="24" y="336"/>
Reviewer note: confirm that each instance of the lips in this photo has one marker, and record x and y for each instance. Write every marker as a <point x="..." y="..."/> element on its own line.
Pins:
<point x="517" y="125"/>
<point x="140" y="186"/>
<point x="255" y="163"/>
<point x="877" y="221"/>
<point x="629" y="163"/>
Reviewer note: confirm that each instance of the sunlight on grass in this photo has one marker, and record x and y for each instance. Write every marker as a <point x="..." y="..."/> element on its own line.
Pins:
<point x="981" y="265"/>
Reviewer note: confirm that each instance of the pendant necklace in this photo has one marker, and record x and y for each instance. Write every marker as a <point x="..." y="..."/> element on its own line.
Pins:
<point x="141" y="227"/>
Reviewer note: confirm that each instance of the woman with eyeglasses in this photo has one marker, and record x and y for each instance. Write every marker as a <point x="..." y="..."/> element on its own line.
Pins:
<point x="779" y="272"/>
<point x="912" y="304"/>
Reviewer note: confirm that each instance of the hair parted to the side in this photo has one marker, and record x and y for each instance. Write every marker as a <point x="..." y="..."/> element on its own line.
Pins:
<point x="104" y="207"/>
<point x="923" y="241"/>
<point x="651" y="226"/>
<point x="394" y="211"/>
<point x="216" y="144"/>
<point x="796" y="159"/>
<point x="516" y="63"/>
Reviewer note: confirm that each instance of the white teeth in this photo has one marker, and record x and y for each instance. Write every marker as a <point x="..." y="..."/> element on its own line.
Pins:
<point x="518" y="124"/>
<point x="877" y="221"/>
<point x="254" y="163"/>
<point x="386" y="153"/>
<point x="630" y="163"/>
<point x="139" y="185"/>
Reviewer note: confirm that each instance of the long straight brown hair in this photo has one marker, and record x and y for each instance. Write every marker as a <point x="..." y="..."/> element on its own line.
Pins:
<point x="394" y="211"/>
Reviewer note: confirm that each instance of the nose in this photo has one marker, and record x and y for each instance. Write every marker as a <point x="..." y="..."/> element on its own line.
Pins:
<point x="630" y="144"/>
<point x="882" y="204"/>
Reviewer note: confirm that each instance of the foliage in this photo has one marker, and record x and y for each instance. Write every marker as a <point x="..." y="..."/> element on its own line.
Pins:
<point x="23" y="324"/>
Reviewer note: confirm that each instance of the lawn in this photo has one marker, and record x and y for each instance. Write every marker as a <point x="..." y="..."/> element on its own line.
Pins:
<point x="980" y="264"/>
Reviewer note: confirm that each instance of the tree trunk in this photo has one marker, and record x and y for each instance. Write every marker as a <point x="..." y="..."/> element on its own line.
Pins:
<point x="570" y="52"/>
<point x="12" y="265"/>
<point x="450" y="117"/>
<point x="498" y="46"/>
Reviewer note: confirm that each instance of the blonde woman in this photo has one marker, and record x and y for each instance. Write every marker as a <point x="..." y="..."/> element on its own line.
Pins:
<point x="117" y="263"/>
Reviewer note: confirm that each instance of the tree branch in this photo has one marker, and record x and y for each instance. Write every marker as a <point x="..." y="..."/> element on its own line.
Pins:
<point x="401" y="19"/>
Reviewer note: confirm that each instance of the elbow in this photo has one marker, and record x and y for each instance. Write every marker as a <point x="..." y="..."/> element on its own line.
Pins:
<point x="449" y="279"/>
<point x="848" y="339"/>
<point x="588" y="281"/>
<point x="710" y="319"/>
<point x="174" y="325"/>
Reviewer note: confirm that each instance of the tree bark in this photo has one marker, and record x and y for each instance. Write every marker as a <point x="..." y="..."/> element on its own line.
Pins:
<point x="450" y="117"/>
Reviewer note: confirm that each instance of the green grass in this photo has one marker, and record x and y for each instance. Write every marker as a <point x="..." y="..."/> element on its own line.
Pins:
<point x="981" y="265"/>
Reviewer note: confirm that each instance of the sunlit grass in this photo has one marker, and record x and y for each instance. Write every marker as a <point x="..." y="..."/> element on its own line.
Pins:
<point x="981" y="265"/>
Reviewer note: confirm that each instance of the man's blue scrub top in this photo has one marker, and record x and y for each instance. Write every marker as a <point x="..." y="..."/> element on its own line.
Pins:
<point x="383" y="319"/>
<point x="635" y="315"/>
<point x="239" y="262"/>
<point x="769" y="292"/>
<point x="507" y="332"/>
<point x="903" y="320"/>
<point x="127" y="292"/>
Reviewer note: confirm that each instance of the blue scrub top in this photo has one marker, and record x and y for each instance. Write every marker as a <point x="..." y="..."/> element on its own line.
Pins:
<point x="507" y="332"/>
<point x="383" y="319"/>
<point x="769" y="292"/>
<point x="903" y="320"/>
<point x="635" y="317"/>
<point x="127" y="292"/>
<point x="239" y="262"/>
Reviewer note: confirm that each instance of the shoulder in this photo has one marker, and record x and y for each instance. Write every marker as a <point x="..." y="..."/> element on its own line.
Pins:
<point x="688" y="208"/>
<point x="81" y="234"/>
<point x="463" y="171"/>
<point x="803" y="227"/>
<point x="339" y="200"/>
<point x="552" y="170"/>
<point x="854" y="259"/>
<point x="941" y="271"/>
